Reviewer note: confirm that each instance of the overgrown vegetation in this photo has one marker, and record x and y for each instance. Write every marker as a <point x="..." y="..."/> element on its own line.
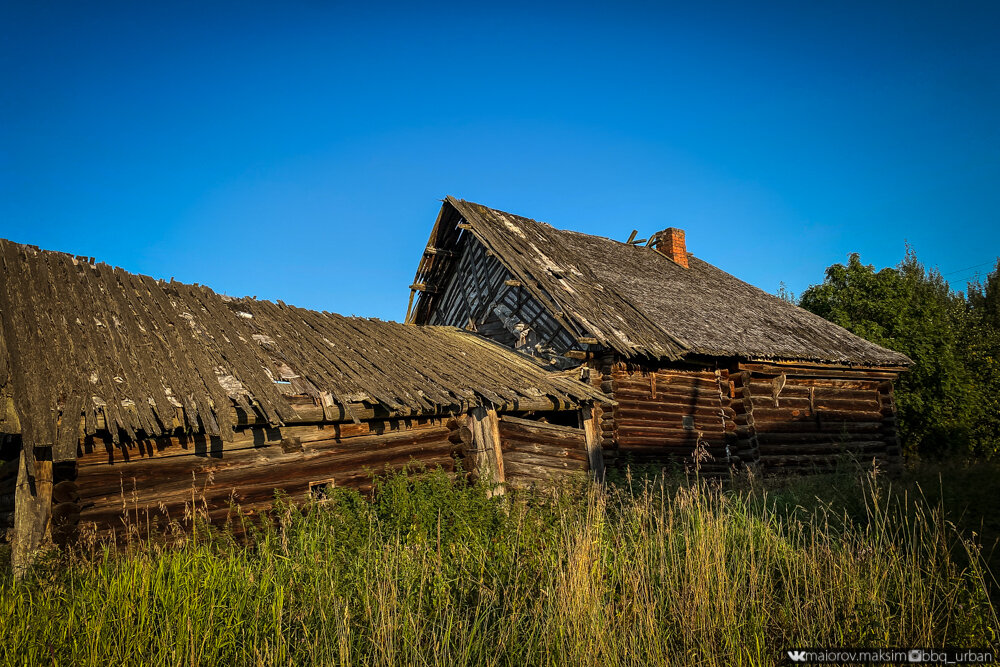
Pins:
<point x="949" y="401"/>
<point x="430" y="571"/>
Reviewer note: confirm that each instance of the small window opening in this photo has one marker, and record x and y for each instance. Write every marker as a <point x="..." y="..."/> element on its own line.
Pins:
<point x="321" y="490"/>
<point x="688" y="422"/>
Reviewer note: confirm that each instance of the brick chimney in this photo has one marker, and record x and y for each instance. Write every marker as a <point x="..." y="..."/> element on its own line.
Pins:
<point x="672" y="245"/>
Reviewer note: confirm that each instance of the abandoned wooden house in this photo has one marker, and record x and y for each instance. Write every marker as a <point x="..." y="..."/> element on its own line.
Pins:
<point x="699" y="363"/>
<point x="118" y="391"/>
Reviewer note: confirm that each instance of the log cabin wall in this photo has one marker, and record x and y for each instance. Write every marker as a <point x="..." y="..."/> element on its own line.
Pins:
<point x="150" y="481"/>
<point x="482" y="295"/>
<point x="539" y="452"/>
<point x="774" y="418"/>
<point x="663" y="414"/>
<point x="803" y="418"/>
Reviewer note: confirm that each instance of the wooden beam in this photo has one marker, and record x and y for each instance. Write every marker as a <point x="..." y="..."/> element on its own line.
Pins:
<point x="409" y="308"/>
<point x="592" y="431"/>
<point x="431" y="250"/>
<point x="32" y="510"/>
<point x="485" y="427"/>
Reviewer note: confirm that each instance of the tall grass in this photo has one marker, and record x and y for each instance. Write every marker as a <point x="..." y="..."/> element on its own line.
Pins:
<point x="432" y="572"/>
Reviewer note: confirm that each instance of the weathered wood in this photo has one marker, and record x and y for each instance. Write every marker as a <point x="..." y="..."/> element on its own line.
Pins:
<point x="489" y="456"/>
<point x="793" y="414"/>
<point x="65" y="492"/>
<point x="544" y="461"/>
<point x="594" y="450"/>
<point x="32" y="508"/>
<point x="461" y="435"/>
<point x="705" y="405"/>
<point x="825" y="427"/>
<point x="819" y="372"/>
<point x="542" y="449"/>
<point x="627" y="428"/>
<point x="527" y="473"/>
<point x="819" y="405"/>
<point x="534" y="431"/>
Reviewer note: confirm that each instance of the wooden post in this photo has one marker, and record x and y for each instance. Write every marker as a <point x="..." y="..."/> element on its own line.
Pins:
<point x="32" y="509"/>
<point x="594" y="451"/>
<point x="485" y="427"/>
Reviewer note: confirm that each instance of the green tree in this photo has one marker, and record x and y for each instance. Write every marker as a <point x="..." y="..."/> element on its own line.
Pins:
<point x="941" y="399"/>
<point x="982" y="343"/>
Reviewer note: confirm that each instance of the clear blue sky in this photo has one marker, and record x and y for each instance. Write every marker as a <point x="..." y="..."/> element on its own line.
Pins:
<point x="299" y="151"/>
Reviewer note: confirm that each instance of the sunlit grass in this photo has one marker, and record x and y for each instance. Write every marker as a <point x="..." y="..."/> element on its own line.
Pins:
<point x="433" y="572"/>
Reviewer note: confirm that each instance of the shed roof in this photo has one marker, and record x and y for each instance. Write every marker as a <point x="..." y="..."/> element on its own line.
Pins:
<point x="129" y="351"/>
<point x="635" y="300"/>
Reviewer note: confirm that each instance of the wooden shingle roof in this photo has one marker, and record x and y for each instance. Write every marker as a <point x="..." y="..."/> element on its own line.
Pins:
<point x="636" y="301"/>
<point x="131" y="353"/>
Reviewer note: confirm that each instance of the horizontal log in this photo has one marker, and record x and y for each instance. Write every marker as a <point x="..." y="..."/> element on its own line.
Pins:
<point x="808" y="461"/>
<point x="665" y="382"/>
<point x="629" y="428"/>
<point x="835" y="437"/>
<point x="546" y="461"/>
<point x="532" y="424"/>
<point x="564" y="439"/>
<point x="156" y="471"/>
<point x="577" y="453"/>
<point x="795" y="389"/>
<point x="515" y="441"/>
<point x="625" y="442"/>
<point x="715" y="416"/>
<point x="680" y="463"/>
<point x="794" y="414"/>
<point x="517" y="471"/>
<point x="832" y="372"/>
<point x="826" y="427"/>
<point x="787" y="448"/>
<point x="825" y="405"/>
<point x="643" y="369"/>
<point x="99" y="451"/>
<point x="710" y="406"/>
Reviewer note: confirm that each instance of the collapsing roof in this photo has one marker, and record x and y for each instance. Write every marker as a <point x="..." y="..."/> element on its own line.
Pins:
<point x="638" y="302"/>
<point x="133" y="354"/>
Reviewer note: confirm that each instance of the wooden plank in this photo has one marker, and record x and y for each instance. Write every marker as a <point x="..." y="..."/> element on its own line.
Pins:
<point x="486" y="440"/>
<point x="545" y="461"/>
<point x="594" y="450"/>
<point x="525" y="472"/>
<point x="32" y="508"/>
<point x="543" y="449"/>
<point x="798" y="371"/>
<point x="531" y="425"/>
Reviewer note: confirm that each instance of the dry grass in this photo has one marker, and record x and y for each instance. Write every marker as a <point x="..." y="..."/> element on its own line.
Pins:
<point x="429" y="572"/>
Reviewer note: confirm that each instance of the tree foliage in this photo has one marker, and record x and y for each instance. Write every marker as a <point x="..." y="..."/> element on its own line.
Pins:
<point x="947" y="401"/>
